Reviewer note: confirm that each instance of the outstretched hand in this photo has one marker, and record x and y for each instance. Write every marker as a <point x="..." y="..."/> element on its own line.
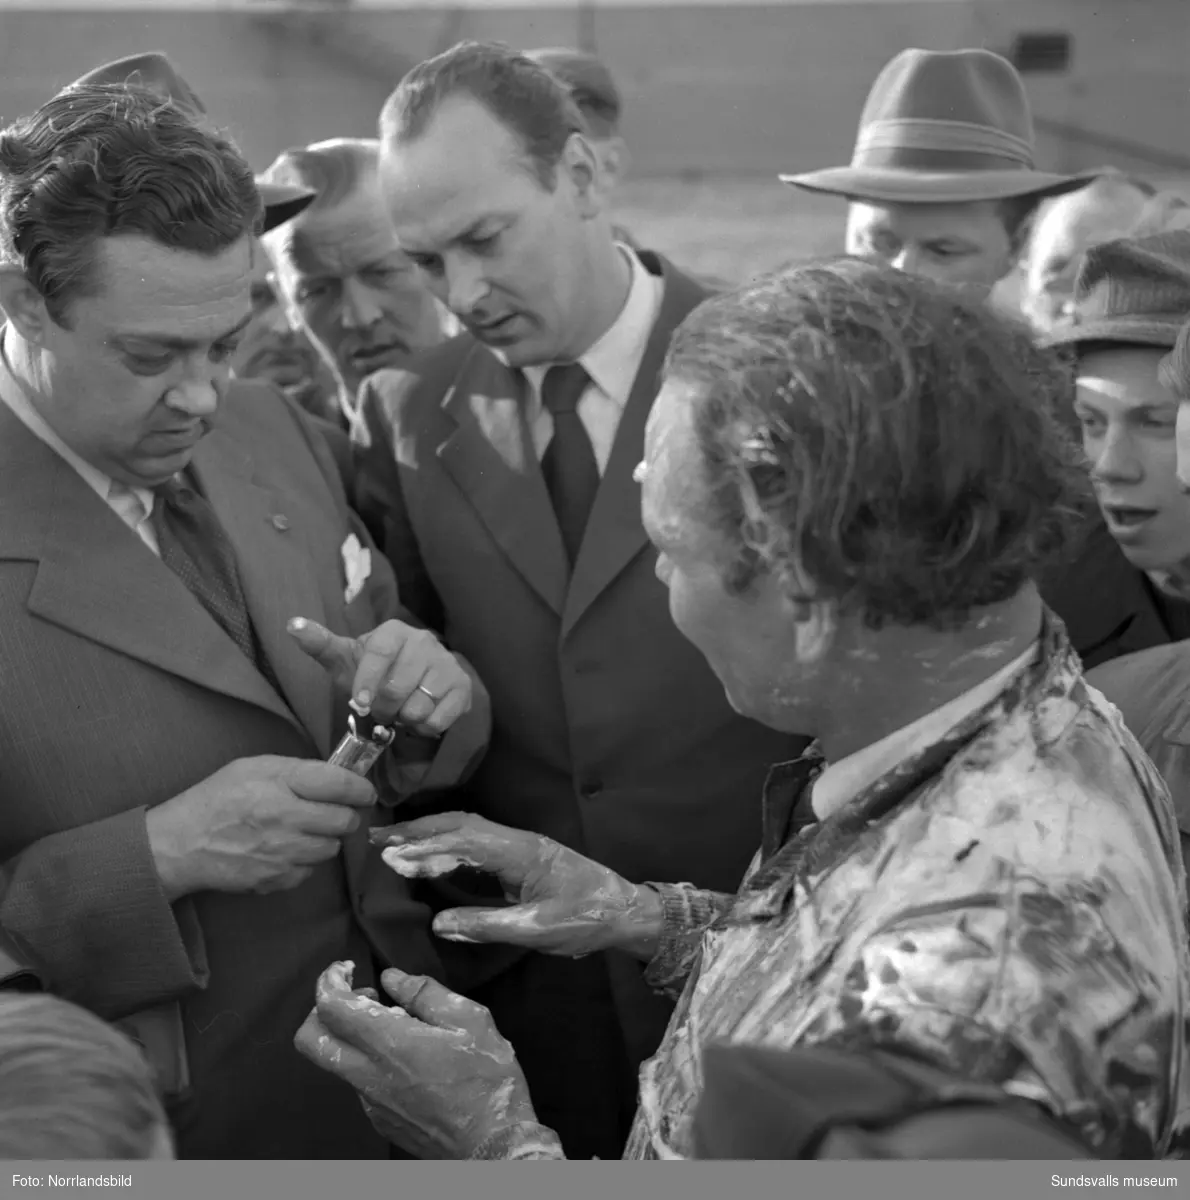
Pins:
<point x="563" y="903"/>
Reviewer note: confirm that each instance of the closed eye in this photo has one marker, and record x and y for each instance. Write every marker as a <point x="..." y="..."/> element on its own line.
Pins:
<point x="430" y="263"/>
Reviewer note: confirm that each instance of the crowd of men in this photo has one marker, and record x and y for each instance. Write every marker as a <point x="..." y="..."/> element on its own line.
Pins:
<point x="747" y="797"/>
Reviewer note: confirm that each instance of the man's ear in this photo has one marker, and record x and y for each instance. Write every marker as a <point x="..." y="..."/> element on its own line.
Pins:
<point x="613" y="153"/>
<point x="580" y="161"/>
<point x="815" y="626"/>
<point x="23" y="305"/>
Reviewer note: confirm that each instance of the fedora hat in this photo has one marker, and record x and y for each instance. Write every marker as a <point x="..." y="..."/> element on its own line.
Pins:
<point x="943" y="128"/>
<point x="1132" y="291"/>
<point x="154" y="71"/>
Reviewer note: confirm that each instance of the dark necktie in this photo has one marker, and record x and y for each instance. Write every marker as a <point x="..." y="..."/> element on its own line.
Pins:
<point x="569" y="466"/>
<point x="193" y="545"/>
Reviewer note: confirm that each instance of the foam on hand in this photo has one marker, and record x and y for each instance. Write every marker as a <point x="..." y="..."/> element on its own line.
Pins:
<point x="413" y="862"/>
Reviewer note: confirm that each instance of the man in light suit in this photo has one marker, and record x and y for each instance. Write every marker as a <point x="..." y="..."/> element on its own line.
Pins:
<point x="186" y="603"/>
<point x="499" y="473"/>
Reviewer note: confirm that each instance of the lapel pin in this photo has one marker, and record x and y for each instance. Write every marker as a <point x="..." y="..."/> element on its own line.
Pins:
<point x="280" y="521"/>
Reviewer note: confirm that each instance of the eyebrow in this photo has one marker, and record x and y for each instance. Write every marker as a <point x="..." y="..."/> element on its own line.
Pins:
<point x="176" y="343"/>
<point x="463" y="235"/>
<point x="1162" y="408"/>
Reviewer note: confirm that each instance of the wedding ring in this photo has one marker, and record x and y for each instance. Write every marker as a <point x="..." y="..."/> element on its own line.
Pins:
<point x="426" y="691"/>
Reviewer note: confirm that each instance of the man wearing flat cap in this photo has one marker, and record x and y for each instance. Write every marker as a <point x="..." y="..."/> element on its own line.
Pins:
<point x="1151" y="687"/>
<point x="942" y="179"/>
<point x="186" y="605"/>
<point x="1129" y="589"/>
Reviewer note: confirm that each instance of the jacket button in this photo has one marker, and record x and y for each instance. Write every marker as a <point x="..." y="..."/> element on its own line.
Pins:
<point x="590" y="789"/>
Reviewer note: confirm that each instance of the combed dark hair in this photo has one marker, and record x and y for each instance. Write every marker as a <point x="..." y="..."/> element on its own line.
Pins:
<point x="101" y="160"/>
<point x="521" y="95"/>
<point x="71" y="1086"/>
<point x="886" y="436"/>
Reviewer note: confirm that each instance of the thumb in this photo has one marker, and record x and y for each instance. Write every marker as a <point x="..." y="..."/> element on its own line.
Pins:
<point x="337" y="654"/>
<point x="426" y="999"/>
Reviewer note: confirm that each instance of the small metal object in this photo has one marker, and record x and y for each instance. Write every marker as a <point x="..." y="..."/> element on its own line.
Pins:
<point x="363" y="743"/>
<point x="426" y="692"/>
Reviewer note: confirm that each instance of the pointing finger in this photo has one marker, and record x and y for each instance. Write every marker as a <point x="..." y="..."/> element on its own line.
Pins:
<point x="337" y="654"/>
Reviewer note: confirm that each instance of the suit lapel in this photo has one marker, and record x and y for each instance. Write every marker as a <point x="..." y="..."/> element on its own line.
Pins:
<point x="275" y="572"/>
<point x="96" y="578"/>
<point x="614" y="534"/>
<point x="491" y="460"/>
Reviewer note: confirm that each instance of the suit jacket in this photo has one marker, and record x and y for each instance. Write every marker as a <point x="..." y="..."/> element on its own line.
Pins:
<point x="1104" y="601"/>
<point x="610" y="732"/>
<point x="119" y="691"/>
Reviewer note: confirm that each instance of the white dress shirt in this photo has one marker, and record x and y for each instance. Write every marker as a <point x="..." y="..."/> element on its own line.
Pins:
<point x="132" y="505"/>
<point x="844" y="780"/>
<point x="612" y="364"/>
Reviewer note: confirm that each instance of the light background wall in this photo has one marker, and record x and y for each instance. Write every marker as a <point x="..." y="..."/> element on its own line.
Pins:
<point x="729" y="88"/>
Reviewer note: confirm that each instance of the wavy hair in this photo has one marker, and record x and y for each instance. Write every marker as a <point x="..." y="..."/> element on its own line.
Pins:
<point x="105" y="160"/>
<point x="888" y="437"/>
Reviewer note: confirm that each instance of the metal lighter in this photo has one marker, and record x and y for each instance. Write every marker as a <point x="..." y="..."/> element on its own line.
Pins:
<point x="363" y="743"/>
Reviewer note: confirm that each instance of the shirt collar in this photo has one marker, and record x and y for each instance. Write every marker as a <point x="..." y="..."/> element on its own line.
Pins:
<point x="612" y="362"/>
<point x="842" y="780"/>
<point x="15" y="394"/>
<point x="1053" y="672"/>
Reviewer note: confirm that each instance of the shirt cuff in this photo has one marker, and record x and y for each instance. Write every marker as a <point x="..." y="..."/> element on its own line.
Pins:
<point x="687" y="913"/>
<point x="518" y="1143"/>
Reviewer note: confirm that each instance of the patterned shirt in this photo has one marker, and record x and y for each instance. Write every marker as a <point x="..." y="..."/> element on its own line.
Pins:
<point x="1008" y="903"/>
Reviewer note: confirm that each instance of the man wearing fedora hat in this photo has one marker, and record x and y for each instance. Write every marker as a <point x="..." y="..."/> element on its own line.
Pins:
<point x="942" y="179"/>
<point x="1129" y="589"/>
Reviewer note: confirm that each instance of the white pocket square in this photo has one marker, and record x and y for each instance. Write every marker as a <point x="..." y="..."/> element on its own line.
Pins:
<point x="357" y="566"/>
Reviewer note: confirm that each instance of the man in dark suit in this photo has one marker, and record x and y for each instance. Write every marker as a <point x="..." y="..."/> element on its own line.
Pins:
<point x="499" y="472"/>
<point x="185" y="602"/>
